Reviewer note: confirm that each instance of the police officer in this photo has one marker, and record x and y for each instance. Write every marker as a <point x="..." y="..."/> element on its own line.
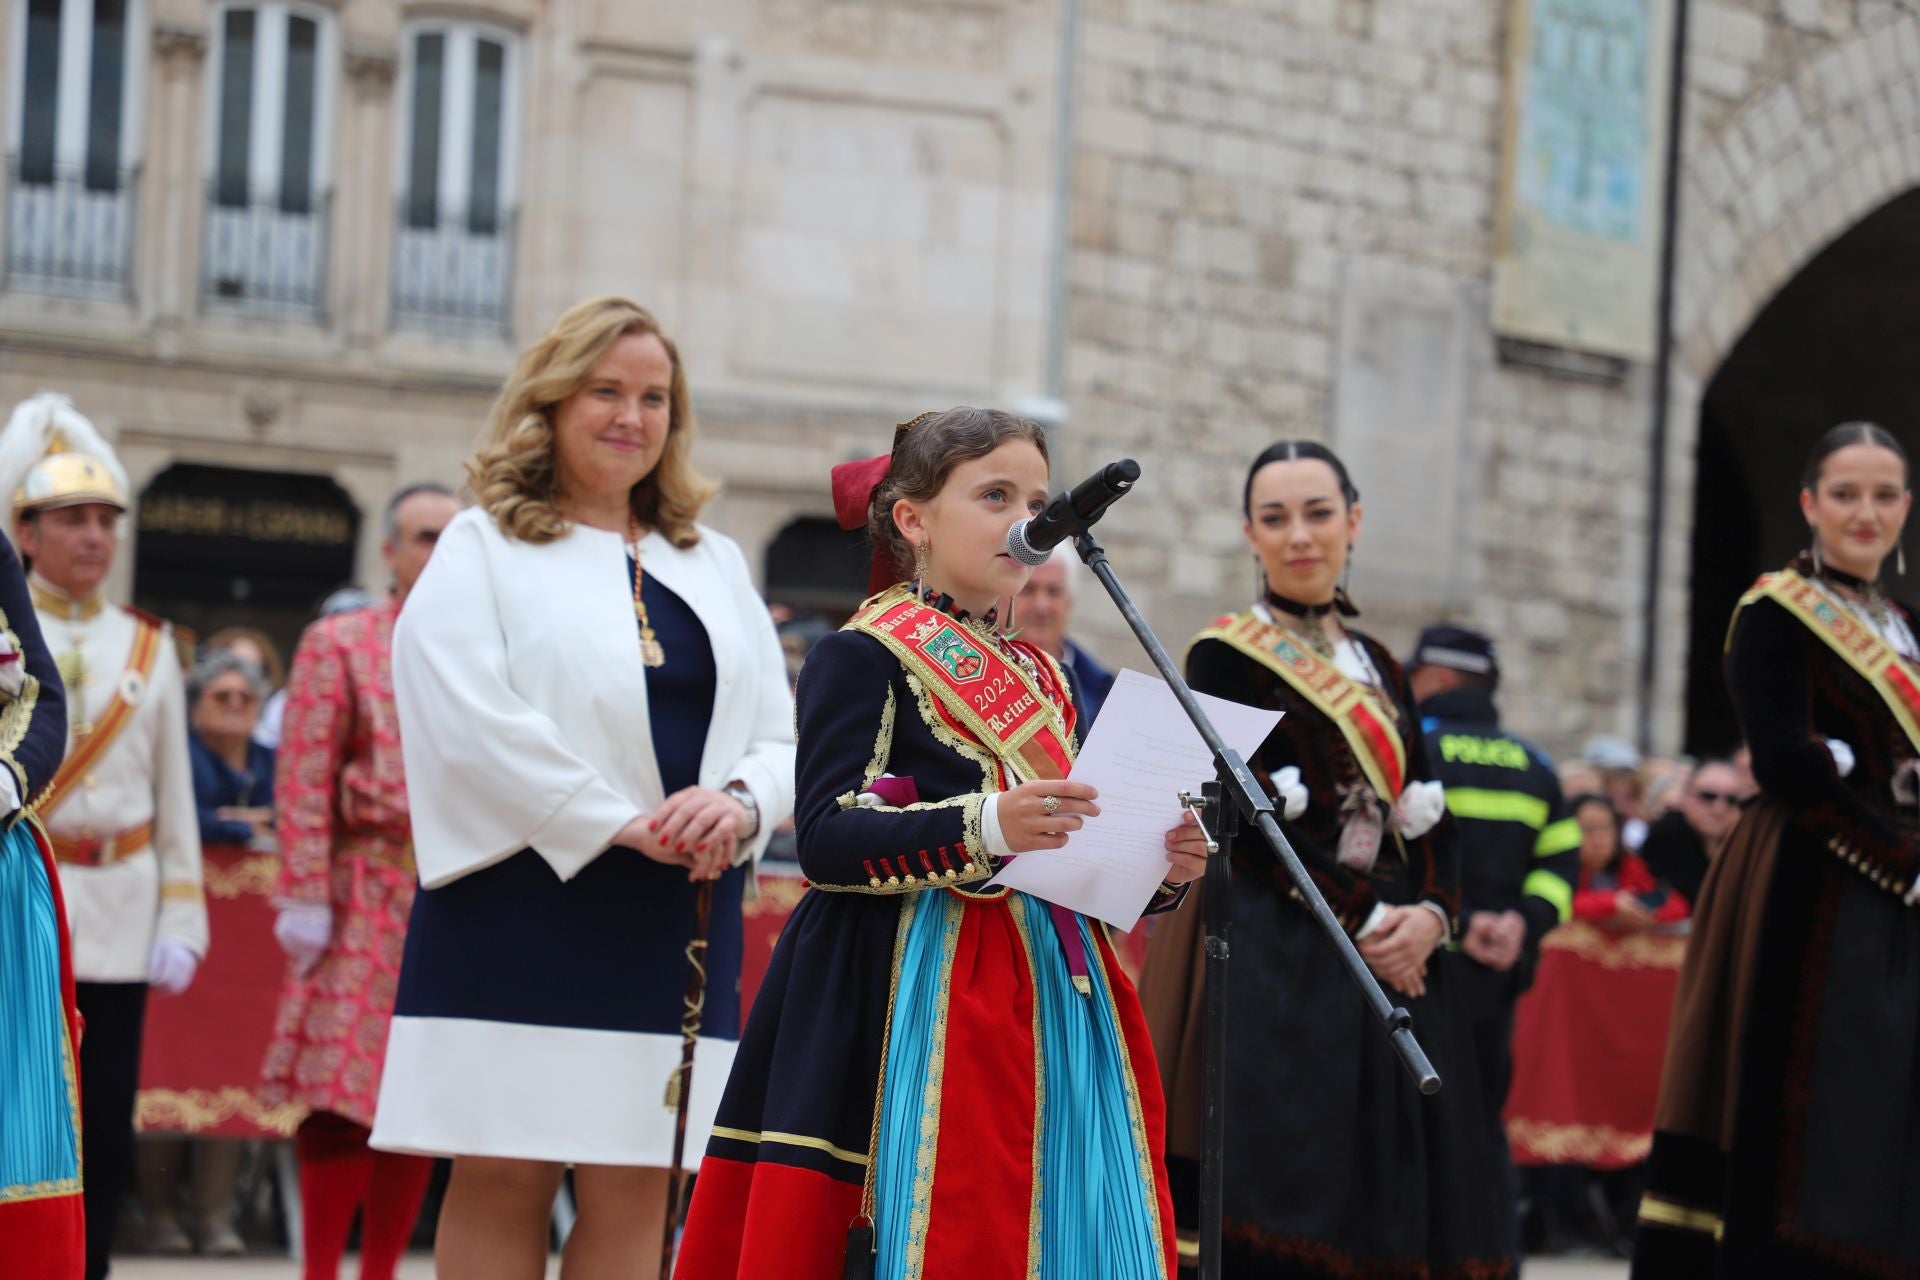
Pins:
<point x="1519" y="851"/>
<point x="119" y="812"/>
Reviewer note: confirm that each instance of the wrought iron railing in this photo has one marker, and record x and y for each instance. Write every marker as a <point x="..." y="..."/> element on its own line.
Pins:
<point x="70" y="229"/>
<point x="264" y="257"/>
<point x="452" y="277"/>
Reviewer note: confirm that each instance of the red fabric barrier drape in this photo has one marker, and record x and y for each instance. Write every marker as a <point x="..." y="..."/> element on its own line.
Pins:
<point x="1588" y="1042"/>
<point x="200" y="1064"/>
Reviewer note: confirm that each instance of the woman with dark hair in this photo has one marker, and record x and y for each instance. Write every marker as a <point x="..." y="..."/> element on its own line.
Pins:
<point x="1784" y="1142"/>
<point x="1616" y="887"/>
<point x="1336" y="1166"/>
<point x="941" y="1077"/>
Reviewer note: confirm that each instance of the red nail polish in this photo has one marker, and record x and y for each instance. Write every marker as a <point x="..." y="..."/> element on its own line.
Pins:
<point x="654" y="825"/>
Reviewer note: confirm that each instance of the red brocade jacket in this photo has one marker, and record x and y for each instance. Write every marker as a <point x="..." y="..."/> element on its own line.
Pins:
<point x="345" y="841"/>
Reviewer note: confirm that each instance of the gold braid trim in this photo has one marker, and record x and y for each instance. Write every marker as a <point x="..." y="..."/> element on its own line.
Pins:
<point x="194" y="1110"/>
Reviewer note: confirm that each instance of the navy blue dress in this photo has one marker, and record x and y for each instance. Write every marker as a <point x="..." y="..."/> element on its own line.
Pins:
<point x="606" y="950"/>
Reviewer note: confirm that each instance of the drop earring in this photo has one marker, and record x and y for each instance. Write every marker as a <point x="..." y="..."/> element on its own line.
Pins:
<point x="920" y="554"/>
<point x="1900" y="559"/>
<point x="1818" y="567"/>
<point x="1259" y="579"/>
<point x="1012" y="627"/>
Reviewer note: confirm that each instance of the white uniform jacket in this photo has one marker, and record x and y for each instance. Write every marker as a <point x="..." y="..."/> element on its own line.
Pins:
<point x="116" y="910"/>
<point x="523" y="697"/>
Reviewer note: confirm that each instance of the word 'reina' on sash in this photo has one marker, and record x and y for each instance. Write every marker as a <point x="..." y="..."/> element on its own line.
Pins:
<point x="978" y="691"/>
<point x="1375" y="741"/>
<point x="1877" y="662"/>
<point x="88" y="749"/>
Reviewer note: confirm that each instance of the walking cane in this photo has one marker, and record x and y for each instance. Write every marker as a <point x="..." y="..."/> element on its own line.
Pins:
<point x="680" y="1083"/>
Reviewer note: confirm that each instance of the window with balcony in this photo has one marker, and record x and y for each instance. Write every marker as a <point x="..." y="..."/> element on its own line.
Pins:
<point x="273" y="73"/>
<point x="71" y="173"/>
<point x="453" y="243"/>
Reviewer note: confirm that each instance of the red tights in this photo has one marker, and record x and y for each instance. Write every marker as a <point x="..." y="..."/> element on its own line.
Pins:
<point x="339" y="1174"/>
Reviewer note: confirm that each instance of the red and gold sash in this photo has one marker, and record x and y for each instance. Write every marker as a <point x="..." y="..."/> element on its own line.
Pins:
<point x="977" y="691"/>
<point x="1893" y="677"/>
<point x="1375" y="741"/>
<point x="86" y="751"/>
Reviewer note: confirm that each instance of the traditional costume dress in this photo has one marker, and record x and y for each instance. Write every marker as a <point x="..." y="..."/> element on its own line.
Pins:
<point x="1785" y="1141"/>
<point x="1335" y="1165"/>
<point x="939" y="1079"/>
<point x="340" y="809"/>
<point x="120" y="811"/>
<point x="540" y="995"/>
<point x="42" y="1232"/>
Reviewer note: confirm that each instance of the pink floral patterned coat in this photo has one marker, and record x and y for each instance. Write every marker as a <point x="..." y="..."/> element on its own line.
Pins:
<point x="345" y="840"/>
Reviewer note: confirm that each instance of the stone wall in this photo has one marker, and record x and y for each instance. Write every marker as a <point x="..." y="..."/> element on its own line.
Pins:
<point x="1283" y="226"/>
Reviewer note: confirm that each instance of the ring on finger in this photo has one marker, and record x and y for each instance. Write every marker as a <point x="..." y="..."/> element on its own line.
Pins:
<point x="1050" y="805"/>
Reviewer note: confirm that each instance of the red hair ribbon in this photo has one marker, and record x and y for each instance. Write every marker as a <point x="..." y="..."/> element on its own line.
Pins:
<point x="853" y="486"/>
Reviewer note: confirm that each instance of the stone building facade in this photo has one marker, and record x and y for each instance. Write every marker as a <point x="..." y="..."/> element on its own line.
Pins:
<point x="305" y="238"/>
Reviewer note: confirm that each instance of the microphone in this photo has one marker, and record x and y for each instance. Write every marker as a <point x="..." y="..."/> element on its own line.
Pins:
<point x="1031" y="541"/>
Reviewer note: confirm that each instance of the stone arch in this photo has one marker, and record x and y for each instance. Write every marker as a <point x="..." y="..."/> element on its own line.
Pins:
<point x="1798" y="163"/>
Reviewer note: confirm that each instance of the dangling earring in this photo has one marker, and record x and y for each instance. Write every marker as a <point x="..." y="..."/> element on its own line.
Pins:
<point x="1346" y="571"/>
<point x="1817" y="565"/>
<point x="920" y="554"/>
<point x="1012" y="628"/>
<point x="1900" y="559"/>
<point x="1259" y="579"/>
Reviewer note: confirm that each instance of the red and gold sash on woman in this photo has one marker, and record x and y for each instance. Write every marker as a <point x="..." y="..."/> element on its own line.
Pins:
<point x="1893" y="677"/>
<point x="1375" y="741"/>
<point x="977" y="691"/>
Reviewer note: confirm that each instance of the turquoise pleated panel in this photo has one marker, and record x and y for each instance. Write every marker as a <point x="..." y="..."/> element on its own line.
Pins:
<point x="1097" y="1200"/>
<point x="39" y="1148"/>
<point x="916" y="1008"/>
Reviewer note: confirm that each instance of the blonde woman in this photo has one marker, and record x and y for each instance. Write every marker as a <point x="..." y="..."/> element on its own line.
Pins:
<point x="595" y="718"/>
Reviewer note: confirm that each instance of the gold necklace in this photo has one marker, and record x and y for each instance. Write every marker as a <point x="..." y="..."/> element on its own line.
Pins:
<point x="651" y="652"/>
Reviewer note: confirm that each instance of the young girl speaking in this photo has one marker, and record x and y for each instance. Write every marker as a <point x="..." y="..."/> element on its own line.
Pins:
<point x="938" y="1078"/>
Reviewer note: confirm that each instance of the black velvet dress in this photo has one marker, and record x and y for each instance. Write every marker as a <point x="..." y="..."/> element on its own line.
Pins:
<point x="1336" y="1167"/>
<point x="1788" y="1134"/>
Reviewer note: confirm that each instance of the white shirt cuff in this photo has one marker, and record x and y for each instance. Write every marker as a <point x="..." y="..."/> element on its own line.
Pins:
<point x="9" y="792"/>
<point x="1374" y="918"/>
<point x="990" y="828"/>
<point x="1446" y="925"/>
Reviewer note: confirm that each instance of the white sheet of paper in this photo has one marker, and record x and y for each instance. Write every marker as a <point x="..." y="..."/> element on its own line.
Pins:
<point x="1143" y="752"/>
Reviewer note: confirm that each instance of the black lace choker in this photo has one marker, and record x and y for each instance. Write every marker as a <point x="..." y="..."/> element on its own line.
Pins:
<point x="1339" y="603"/>
<point x="1848" y="580"/>
<point x="944" y="603"/>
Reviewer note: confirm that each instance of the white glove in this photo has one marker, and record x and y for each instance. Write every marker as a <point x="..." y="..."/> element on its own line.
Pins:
<point x="171" y="966"/>
<point x="1292" y="795"/>
<point x="1842" y="756"/>
<point x="303" y="930"/>
<point x="1421" y="807"/>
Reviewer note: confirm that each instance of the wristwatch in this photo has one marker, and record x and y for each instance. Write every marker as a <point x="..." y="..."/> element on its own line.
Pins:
<point x="747" y="802"/>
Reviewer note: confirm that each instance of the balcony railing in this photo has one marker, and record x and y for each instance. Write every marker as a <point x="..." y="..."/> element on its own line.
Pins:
<point x="70" y="229"/>
<point x="451" y="278"/>
<point x="261" y="257"/>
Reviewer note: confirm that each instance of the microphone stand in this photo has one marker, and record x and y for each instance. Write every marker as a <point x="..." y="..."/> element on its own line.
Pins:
<point x="1236" y="797"/>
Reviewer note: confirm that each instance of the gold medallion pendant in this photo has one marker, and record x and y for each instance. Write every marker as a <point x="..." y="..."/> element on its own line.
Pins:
<point x="651" y="651"/>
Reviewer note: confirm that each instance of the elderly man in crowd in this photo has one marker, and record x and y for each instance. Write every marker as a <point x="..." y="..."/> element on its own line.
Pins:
<point x="1044" y="612"/>
<point x="1681" y="843"/>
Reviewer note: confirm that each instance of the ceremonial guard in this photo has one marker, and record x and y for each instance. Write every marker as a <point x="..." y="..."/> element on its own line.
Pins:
<point x="41" y="1229"/>
<point x="1519" y="857"/>
<point x="120" y="811"/>
<point x="941" y="1077"/>
<point x="346" y="886"/>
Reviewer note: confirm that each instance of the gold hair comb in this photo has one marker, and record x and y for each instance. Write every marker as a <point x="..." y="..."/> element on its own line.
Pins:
<point x="911" y="423"/>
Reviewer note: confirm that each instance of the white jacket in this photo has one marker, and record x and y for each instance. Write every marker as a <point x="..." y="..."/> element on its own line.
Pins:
<point x="523" y="697"/>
